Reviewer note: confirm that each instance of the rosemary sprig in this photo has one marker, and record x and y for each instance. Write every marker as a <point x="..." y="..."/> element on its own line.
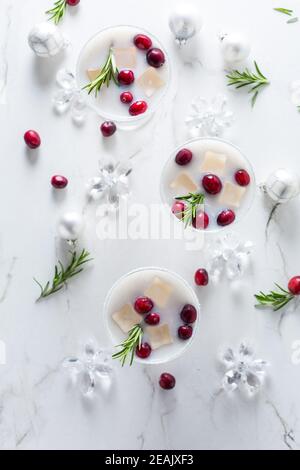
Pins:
<point x="108" y="72"/>
<point x="58" y="11"/>
<point x="256" y="80"/>
<point x="285" y="11"/>
<point x="129" y="345"/>
<point x="192" y="200"/>
<point x="276" y="300"/>
<point x="62" y="275"/>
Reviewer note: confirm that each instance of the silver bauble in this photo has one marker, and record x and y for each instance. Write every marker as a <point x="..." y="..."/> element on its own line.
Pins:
<point x="46" y="40"/>
<point x="282" y="185"/>
<point x="70" y="226"/>
<point x="185" y="21"/>
<point x="235" y="47"/>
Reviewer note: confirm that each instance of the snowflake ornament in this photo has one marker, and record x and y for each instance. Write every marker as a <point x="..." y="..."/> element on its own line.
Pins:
<point x="228" y="256"/>
<point x="209" y="118"/>
<point x="243" y="370"/>
<point x="111" y="185"/>
<point x="68" y="96"/>
<point x="93" y="365"/>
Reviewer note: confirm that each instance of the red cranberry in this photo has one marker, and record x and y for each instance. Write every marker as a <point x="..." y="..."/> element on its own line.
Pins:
<point x="201" y="277"/>
<point x="185" y="332"/>
<point x="152" y="318"/>
<point x="108" y="128"/>
<point x="167" y="381"/>
<point x="201" y="221"/>
<point x="242" y="177"/>
<point x="226" y="217"/>
<point x="32" y="139"/>
<point x="138" y="107"/>
<point x="126" y="97"/>
<point x="142" y="42"/>
<point x="126" y="77"/>
<point x="178" y="209"/>
<point x="294" y="285"/>
<point x="73" y="3"/>
<point x="183" y="157"/>
<point x="155" y="57"/>
<point x="59" y="182"/>
<point x="143" y="305"/>
<point x="188" y="314"/>
<point x="212" y="184"/>
<point x="143" y="351"/>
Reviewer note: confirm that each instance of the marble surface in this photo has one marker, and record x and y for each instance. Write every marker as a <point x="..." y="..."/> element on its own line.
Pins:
<point x="38" y="408"/>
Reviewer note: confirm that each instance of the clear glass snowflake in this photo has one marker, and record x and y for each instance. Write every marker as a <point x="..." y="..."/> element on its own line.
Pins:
<point x="243" y="370"/>
<point x="209" y="118"/>
<point x="68" y="96"/>
<point x="228" y="256"/>
<point x="92" y="365"/>
<point x="112" y="184"/>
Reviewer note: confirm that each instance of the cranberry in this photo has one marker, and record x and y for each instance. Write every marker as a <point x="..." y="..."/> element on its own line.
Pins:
<point x="178" y="209"/>
<point x="126" y="97"/>
<point x="59" y="182"/>
<point x="294" y="285"/>
<point x="152" y="318"/>
<point x="185" y="332"/>
<point x="108" y="128"/>
<point x="73" y="3"/>
<point x="126" y="77"/>
<point x="201" y="220"/>
<point x="32" y="139"/>
<point x="183" y="157"/>
<point x="167" y="381"/>
<point x="155" y="57"/>
<point x="226" y="217"/>
<point x="201" y="277"/>
<point x="242" y="177"/>
<point x="138" y="107"/>
<point x="143" y="305"/>
<point x="142" y="42"/>
<point x="212" y="184"/>
<point x="143" y="351"/>
<point x="188" y="314"/>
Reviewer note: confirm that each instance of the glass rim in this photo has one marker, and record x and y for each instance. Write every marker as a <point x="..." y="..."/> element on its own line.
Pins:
<point x="127" y="119"/>
<point x="179" y="278"/>
<point x="251" y="199"/>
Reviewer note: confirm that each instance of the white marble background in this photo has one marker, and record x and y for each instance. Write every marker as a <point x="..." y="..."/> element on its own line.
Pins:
<point x="38" y="410"/>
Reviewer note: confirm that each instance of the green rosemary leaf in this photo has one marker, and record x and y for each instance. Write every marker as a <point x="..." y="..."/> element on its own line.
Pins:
<point x="129" y="345"/>
<point x="193" y="201"/>
<point x="248" y="78"/>
<point x="276" y="300"/>
<point x="285" y="11"/>
<point x="58" y="11"/>
<point x="108" y="73"/>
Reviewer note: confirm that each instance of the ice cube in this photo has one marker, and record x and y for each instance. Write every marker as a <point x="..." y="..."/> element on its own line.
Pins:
<point x="125" y="57"/>
<point x="93" y="74"/>
<point x="65" y="79"/>
<point x="159" y="335"/>
<point x="150" y="81"/>
<point x="232" y="194"/>
<point x="159" y="291"/>
<point x="126" y="318"/>
<point x="213" y="162"/>
<point x="183" y="180"/>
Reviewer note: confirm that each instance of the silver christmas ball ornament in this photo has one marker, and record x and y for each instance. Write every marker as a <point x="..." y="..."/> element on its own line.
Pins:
<point x="282" y="185"/>
<point x="70" y="226"/>
<point x="185" y="21"/>
<point x="46" y="40"/>
<point x="235" y="47"/>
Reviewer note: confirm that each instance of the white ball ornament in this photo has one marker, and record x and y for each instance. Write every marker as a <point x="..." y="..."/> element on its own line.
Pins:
<point x="70" y="226"/>
<point x="282" y="185"/>
<point x="46" y="40"/>
<point x="235" y="47"/>
<point x="185" y="21"/>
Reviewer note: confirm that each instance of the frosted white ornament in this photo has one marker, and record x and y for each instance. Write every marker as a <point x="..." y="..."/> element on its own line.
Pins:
<point x="70" y="226"/>
<point x="235" y="47"/>
<point x="282" y="185"/>
<point x="185" y="21"/>
<point x="46" y="40"/>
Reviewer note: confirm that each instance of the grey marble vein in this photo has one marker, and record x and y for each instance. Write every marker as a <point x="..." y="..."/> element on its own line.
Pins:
<point x="288" y="435"/>
<point x="9" y="278"/>
<point x="3" y="52"/>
